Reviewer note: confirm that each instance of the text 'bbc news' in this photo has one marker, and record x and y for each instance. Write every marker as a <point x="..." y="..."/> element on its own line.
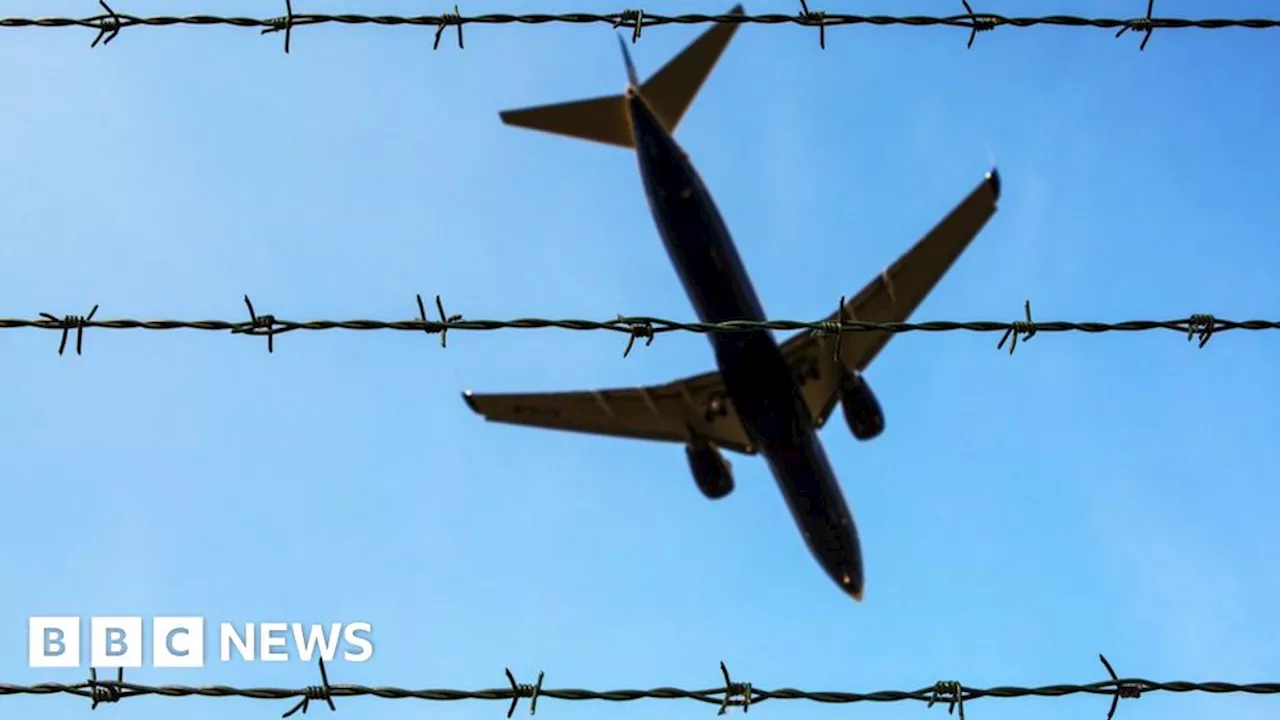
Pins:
<point x="179" y="642"/>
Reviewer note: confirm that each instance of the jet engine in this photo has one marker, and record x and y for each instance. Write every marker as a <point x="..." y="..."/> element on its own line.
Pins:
<point x="861" y="409"/>
<point x="710" y="470"/>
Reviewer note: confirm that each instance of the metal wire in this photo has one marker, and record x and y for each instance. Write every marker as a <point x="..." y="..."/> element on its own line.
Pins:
<point x="109" y="23"/>
<point x="1199" y="327"/>
<point x="730" y="694"/>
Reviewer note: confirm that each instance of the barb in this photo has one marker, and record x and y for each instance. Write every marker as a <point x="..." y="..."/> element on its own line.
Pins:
<point x="104" y="692"/>
<point x="819" y="18"/>
<point x="441" y="327"/>
<point x="1145" y="26"/>
<point x="110" y="24"/>
<point x="1197" y="326"/>
<point x="259" y="325"/>
<point x="633" y="19"/>
<point x="520" y="690"/>
<point x="837" y="328"/>
<point x="734" y="690"/>
<point x="66" y="325"/>
<point x="950" y="692"/>
<point x="1202" y="327"/>
<point x="954" y="694"/>
<point x="1124" y="689"/>
<point x="978" y="23"/>
<point x="454" y="18"/>
<point x="285" y="23"/>
<point x="639" y="330"/>
<point x="1026" y="329"/>
<point x="323" y="691"/>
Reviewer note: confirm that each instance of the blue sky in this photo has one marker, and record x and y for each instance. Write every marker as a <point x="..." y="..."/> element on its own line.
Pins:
<point x="1019" y="515"/>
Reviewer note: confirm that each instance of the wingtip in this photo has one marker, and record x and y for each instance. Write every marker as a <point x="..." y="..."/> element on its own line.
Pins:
<point x="993" y="179"/>
<point x="470" y="401"/>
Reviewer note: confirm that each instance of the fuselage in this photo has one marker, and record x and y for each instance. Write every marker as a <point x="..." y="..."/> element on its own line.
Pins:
<point x="757" y="378"/>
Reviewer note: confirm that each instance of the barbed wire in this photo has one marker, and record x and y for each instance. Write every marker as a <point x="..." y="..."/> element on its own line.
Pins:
<point x="731" y="694"/>
<point x="1195" y="327"/>
<point x="110" y="23"/>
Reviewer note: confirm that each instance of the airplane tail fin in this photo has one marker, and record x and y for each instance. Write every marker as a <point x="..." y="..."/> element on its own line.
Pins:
<point x="668" y="93"/>
<point x="632" y="79"/>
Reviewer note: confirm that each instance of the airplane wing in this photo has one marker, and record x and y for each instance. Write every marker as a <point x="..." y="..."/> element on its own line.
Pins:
<point x="672" y="412"/>
<point x="891" y="297"/>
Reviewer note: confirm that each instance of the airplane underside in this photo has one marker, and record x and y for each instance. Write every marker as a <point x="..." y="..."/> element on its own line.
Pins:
<point x="765" y="397"/>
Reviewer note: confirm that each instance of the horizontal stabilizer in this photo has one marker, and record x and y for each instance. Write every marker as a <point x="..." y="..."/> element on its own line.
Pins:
<point x="602" y="119"/>
<point x="669" y="93"/>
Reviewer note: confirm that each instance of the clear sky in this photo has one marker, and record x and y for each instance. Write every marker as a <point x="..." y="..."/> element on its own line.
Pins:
<point x="1110" y="493"/>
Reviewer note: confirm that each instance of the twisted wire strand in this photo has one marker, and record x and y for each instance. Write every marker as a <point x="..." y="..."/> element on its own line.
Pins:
<point x="623" y="324"/>
<point x="109" y="23"/>
<point x="731" y="694"/>
<point x="1197" y="326"/>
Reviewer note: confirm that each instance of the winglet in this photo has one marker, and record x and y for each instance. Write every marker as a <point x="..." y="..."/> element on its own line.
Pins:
<point x="668" y="93"/>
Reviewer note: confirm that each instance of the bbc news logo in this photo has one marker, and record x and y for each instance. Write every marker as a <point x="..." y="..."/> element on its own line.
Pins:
<point x="179" y="642"/>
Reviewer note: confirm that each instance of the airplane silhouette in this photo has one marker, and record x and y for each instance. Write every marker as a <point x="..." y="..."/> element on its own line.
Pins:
<point x="766" y="398"/>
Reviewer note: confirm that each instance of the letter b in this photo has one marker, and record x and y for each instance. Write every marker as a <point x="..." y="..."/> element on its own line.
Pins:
<point x="53" y="642"/>
<point x="115" y="642"/>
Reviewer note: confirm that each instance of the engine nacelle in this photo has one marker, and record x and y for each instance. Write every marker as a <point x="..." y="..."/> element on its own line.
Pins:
<point x="861" y="409"/>
<point x="710" y="470"/>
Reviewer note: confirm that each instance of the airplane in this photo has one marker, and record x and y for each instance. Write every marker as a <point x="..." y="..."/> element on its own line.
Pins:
<point x="766" y="398"/>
